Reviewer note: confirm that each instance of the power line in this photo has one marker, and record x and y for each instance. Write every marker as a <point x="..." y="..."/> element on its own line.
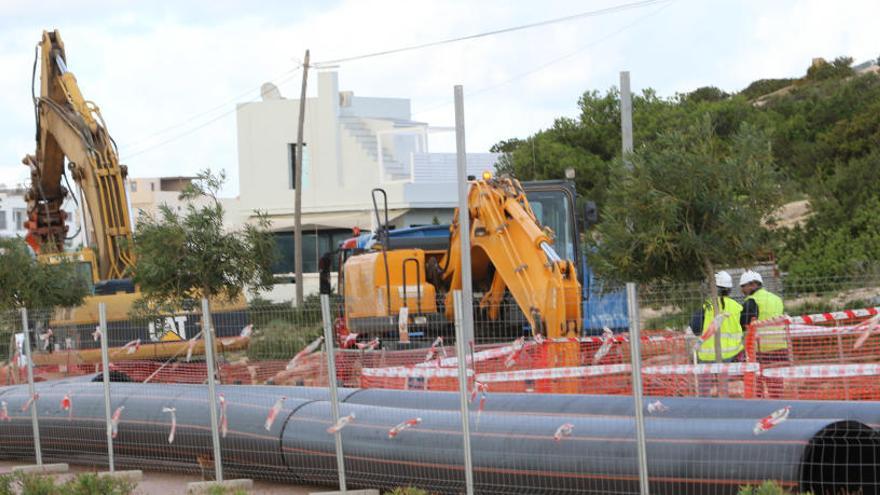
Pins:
<point x="291" y="73"/>
<point x="193" y="129"/>
<point x="543" y="66"/>
<point x="133" y="144"/>
<point x="592" y="13"/>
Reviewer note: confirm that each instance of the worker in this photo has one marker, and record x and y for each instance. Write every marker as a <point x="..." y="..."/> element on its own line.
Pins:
<point x="772" y="343"/>
<point x="731" y="333"/>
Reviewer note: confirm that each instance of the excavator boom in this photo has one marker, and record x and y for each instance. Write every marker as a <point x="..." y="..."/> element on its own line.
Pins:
<point x="505" y="233"/>
<point x="513" y="258"/>
<point x="71" y="127"/>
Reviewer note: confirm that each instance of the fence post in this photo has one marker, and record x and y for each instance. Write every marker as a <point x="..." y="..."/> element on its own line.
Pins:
<point x="636" y="360"/>
<point x="208" y="333"/>
<point x="38" y="452"/>
<point x="331" y="374"/>
<point x="105" y="365"/>
<point x="461" y="346"/>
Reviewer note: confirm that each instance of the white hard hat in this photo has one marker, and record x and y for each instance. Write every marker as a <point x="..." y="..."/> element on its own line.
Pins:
<point x="723" y="280"/>
<point x="750" y="276"/>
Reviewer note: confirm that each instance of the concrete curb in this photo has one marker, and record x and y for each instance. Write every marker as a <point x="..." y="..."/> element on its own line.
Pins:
<point x="133" y="475"/>
<point x="42" y="469"/>
<point x="200" y="487"/>
<point x="349" y="492"/>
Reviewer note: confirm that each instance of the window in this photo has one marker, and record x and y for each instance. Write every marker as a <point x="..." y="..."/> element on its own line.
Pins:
<point x="152" y="186"/>
<point x="134" y="186"/>
<point x="2" y="219"/>
<point x="19" y="215"/>
<point x="315" y="244"/>
<point x="291" y="161"/>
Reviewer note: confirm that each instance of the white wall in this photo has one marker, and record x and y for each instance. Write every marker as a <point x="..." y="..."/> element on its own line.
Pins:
<point x="12" y="200"/>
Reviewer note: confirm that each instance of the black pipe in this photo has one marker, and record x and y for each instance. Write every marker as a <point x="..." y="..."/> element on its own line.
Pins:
<point x="513" y="452"/>
<point x="867" y="412"/>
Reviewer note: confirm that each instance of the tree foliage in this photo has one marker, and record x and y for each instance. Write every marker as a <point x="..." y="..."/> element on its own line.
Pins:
<point x="690" y="201"/>
<point x="28" y="283"/>
<point x="824" y="135"/>
<point x="185" y="255"/>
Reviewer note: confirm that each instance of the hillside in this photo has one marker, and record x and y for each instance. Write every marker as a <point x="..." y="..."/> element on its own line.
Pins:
<point x="824" y="133"/>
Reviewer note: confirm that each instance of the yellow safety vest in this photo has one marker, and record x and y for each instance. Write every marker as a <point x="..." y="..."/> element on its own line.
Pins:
<point x="771" y="338"/>
<point x="731" y="331"/>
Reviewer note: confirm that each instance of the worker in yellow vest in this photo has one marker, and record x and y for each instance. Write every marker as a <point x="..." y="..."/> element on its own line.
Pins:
<point x="731" y="333"/>
<point x="772" y="343"/>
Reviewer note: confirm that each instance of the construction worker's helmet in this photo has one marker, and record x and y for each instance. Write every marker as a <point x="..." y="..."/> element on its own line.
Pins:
<point x="750" y="276"/>
<point x="723" y="280"/>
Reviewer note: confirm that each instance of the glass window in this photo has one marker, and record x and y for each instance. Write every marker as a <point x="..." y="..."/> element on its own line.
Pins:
<point x="2" y="219"/>
<point x="19" y="215"/>
<point x="315" y="245"/>
<point x="134" y="186"/>
<point x="553" y="210"/>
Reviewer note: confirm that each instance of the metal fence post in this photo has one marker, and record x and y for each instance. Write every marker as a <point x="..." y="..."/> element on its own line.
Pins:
<point x="635" y="340"/>
<point x="38" y="452"/>
<point x="334" y="397"/>
<point x="105" y="365"/>
<point x="461" y="346"/>
<point x="208" y="333"/>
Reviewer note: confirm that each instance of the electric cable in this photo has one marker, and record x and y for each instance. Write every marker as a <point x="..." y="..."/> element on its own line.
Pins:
<point x="592" y="13"/>
<point x="543" y="66"/>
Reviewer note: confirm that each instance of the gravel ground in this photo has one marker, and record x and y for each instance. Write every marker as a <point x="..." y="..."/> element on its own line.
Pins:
<point x="173" y="483"/>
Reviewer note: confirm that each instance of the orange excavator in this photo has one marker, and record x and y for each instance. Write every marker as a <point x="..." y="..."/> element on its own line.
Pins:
<point x="525" y="285"/>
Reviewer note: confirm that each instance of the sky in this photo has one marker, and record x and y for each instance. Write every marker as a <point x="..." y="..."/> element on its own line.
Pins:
<point x="167" y="74"/>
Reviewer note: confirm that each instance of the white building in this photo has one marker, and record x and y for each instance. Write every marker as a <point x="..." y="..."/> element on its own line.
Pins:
<point x="13" y="214"/>
<point x="146" y="195"/>
<point x="352" y="144"/>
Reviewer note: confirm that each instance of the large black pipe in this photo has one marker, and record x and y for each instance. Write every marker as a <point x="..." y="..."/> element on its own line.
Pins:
<point x="568" y="405"/>
<point x="519" y="454"/>
<point x="513" y="453"/>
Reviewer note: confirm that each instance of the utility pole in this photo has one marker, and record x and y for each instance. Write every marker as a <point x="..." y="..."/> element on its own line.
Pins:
<point x="626" y="117"/>
<point x="297" y="193"/>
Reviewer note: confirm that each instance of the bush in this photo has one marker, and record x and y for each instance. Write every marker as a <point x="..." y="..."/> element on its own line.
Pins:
<point x="280" y="339"/>
<point x="767" y="488"/>
<point x="410" y="490"/>
<point x="82" y="484"/>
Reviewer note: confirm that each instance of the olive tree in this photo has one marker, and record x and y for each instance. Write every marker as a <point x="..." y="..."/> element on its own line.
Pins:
<point x="690" y="202"/>
<point x="185" y="254"/>
<point x="39" y="287"/>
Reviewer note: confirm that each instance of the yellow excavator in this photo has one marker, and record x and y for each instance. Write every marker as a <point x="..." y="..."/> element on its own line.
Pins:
<point x="525" y="284"/>
<point x="71" y="128"/>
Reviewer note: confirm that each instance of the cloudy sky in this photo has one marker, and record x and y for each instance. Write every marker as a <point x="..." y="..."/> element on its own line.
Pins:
<point x="168" y="74"/>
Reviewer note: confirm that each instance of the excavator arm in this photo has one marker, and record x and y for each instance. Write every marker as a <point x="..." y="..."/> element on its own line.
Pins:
<point x="505" y="233"/>
<point x="72" y="127"/>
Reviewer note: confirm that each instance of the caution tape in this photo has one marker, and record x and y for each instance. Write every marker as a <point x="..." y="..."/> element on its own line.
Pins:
<point x="67" y="405"/>
<point x="702" y="369"/>
<point x="772" y="420"/>
<point x="823" y="371"/>
<point x="848" y="314"/>
<point x="273" y="412"/>
<point x="414" y="372"/>
<point x="564" y="372"/>
<point x="114" y="421"/>
<point x="553" y="373"/>
<point x="173" y="412"/>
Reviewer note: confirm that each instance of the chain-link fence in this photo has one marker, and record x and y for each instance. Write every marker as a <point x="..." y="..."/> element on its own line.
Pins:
<point x="547" y="413"/>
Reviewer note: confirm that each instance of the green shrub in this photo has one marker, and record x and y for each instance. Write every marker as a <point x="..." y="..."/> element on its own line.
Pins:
<point x="409" y="490"/>
<point x="281" y="339"/>
<point x="766" y="488"/>
<point x="82" y="484"/>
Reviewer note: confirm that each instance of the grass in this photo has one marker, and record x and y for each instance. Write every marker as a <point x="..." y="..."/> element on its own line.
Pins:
<point x="82" y="484"/>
